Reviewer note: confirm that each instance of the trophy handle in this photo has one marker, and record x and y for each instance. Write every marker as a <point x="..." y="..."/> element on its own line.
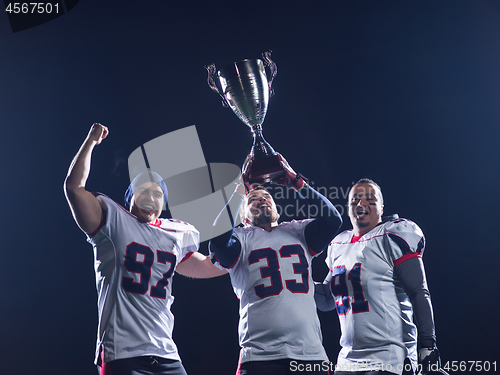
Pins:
<point x="212" y="73"/>
<point x="272" y="66"/>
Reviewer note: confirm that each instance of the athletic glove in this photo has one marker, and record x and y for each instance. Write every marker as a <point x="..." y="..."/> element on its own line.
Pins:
<point x="290" y="179"/>
<point x="430" y="361"/>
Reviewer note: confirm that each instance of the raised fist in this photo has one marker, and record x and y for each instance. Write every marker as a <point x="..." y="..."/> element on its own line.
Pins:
<point x="97" y="133"/>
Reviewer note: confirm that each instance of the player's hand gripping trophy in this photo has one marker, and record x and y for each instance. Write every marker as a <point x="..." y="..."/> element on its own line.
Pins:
<point x="246" y="90"/>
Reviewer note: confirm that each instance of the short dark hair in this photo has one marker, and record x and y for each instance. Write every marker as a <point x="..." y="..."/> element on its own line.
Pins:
<point x="368" y="181"/>
<point x="371" y="182"/>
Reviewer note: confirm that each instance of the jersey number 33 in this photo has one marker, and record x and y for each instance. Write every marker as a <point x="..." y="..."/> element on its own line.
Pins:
<point x="273" y="274"/>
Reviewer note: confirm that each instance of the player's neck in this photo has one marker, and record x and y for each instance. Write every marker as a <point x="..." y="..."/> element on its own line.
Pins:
<point x="268" y="227"/>
<point x="361" y="231"/>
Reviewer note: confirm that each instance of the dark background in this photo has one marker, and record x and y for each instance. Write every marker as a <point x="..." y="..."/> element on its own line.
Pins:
<point x="404" y="92"/>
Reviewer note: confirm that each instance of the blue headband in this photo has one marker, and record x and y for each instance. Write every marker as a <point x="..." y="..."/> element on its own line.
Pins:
<point x="146" y="176"/>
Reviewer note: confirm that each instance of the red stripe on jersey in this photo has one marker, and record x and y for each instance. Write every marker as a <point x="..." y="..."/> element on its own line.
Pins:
<point x="355" y="238"/>
<point x="188" y="255"/>
<point x="238" y="370"/>
<point x="157" y="223"/>
<point x="103" y="221"/>
<point x="232" y="265"/>
<point x="405" y="258"/>
<point x="104" y="368"/>
<point x="312" y="252"/>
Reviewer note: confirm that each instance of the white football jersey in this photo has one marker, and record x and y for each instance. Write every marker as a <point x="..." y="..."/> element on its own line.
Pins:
<point x="134" y="266"/>
<point x="272" y="279"/>
<point x="375" y="313"/>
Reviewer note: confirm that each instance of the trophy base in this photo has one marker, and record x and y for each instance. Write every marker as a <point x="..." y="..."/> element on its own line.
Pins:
<point x="266" y="169"/>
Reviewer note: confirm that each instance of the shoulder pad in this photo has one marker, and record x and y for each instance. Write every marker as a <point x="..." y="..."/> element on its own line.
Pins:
<point x="403" y="231"/>
<point x="402" y="226"/>
<point x="343" y="237"/>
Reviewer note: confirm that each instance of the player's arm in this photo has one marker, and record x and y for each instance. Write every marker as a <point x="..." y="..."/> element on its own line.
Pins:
<point x="225" y="247"/>
<point x="321" y="231"/>
<point x="411" y="273"/>
<point x="199" y="266"/>
<point x="323" y="295"/>
<point x="84" y="205"/>
<point x="412" y="276"/>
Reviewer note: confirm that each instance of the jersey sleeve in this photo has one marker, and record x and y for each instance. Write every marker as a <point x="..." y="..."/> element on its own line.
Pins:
<point x="300" y="229"/>
<point x="329" y="255"/>
<point x="188" y="237"/>
<point x="225" y="253"/>
<point x="327" y="221"/>
<point x="405" y="239"/>
<point x="412" y="277"/>
<point x="109" y="208"/>
<point x="190" y="242"/>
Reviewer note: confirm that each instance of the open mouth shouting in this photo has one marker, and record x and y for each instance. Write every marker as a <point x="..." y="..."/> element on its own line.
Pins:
<point x="148" y="207"/>
<point x="361" y="213"/>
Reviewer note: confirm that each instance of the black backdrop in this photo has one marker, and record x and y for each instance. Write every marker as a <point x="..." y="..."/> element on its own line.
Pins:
<point x="404" y="92"/>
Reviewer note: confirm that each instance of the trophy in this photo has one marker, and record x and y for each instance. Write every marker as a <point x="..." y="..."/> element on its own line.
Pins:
<point x="246" y="90"/>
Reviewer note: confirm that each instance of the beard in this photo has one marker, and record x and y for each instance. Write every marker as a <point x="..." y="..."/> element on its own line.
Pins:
<point x="264" y="217"/>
